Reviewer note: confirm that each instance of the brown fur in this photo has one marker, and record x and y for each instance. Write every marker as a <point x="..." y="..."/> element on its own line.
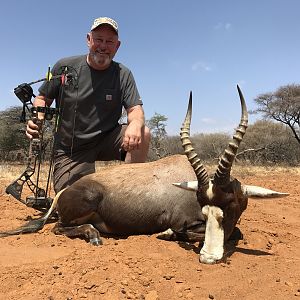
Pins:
<point x="133" y="199"/>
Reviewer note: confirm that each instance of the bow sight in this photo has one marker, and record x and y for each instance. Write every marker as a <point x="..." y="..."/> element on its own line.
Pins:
<point x="40" y="199"/>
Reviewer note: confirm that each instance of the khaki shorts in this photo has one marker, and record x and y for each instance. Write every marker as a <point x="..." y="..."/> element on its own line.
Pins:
<point x="68" y="168"/>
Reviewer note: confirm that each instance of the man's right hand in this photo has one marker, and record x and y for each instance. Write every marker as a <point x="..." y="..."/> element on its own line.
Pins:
<point x="33" y="127"/>
<point x="32" y="130"/>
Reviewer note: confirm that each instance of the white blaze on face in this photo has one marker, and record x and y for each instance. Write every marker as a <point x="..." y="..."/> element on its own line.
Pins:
<point x="213" y="248"/>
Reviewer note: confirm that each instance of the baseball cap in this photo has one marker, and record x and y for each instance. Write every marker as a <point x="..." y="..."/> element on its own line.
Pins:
<point x="105" y="20"/>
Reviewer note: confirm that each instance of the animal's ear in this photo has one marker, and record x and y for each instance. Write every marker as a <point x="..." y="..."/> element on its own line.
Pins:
<point x="259" y="192"/>
<point x="187" y="185"/>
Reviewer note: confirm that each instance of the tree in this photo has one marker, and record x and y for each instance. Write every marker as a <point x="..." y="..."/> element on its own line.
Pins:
<point x="13" y="140"/>
<point x="12" y="133"/>
<point x="157" y="127"/>
<point x="283" y="106"/>
<point x="210" y="146"/>
<point x="267" y="141"/>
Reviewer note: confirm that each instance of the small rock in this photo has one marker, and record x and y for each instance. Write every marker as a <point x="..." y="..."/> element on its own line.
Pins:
<point x="124" y="282"/>
<point x="179" y="281"/>
<point x="210" y="296"/>
<point x="269" y="246"/>
<point x="145" y="281"/>
<point x="168" y="277"/>
<point x="89" y="286"/>
<point x="288" y="283"/>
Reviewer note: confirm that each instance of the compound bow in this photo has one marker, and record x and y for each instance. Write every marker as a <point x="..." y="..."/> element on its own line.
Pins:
<point x="40" y="199"/>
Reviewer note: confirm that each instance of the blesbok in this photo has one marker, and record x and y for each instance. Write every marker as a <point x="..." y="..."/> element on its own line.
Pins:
<point x="158" y="197"/>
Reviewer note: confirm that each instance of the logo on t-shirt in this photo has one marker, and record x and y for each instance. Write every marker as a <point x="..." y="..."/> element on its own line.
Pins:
<point x="108" y="97"/>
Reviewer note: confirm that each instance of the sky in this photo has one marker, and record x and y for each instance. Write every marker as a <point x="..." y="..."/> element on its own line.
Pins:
<point x="171" y="46"/>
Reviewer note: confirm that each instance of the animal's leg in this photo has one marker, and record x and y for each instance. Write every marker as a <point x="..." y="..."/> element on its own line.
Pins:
<point x="168" y="235"/>
<point x="190" y="236"/>
<point x="86" y="230"/>
<point x="190" y="233"/>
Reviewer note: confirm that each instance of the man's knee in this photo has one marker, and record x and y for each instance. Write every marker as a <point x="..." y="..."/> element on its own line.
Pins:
<point x="140" y="155"/>
<point x="66" y="173"/>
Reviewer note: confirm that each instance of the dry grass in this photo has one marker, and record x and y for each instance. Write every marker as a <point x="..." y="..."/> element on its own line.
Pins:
<point x="250" y="170"/>
<point x="10" y="172"/>
<point x="243" y="170"/>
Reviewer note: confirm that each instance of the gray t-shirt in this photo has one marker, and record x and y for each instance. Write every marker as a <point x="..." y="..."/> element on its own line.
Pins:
<point x="91" y="100"/>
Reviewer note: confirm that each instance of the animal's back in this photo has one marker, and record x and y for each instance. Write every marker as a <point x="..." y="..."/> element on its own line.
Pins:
<point x="139" y="179"/>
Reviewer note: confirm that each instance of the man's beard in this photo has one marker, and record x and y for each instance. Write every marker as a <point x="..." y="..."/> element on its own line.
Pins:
<point x="100" y="59"/>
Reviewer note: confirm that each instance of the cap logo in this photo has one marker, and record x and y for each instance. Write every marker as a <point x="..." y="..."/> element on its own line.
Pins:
<point x="105" y="20"/>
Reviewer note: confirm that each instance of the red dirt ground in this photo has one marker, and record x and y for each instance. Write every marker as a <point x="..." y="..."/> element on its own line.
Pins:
<point x="265" y="265"/>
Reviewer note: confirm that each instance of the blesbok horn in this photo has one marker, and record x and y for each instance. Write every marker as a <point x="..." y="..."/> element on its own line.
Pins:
<point x="222" y="175"/>
<point x="192" y="156"/>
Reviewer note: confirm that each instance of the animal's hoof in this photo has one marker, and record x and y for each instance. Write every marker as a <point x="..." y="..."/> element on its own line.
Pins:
<point x="96" y="242"/>
<point x="167" y="235"/>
